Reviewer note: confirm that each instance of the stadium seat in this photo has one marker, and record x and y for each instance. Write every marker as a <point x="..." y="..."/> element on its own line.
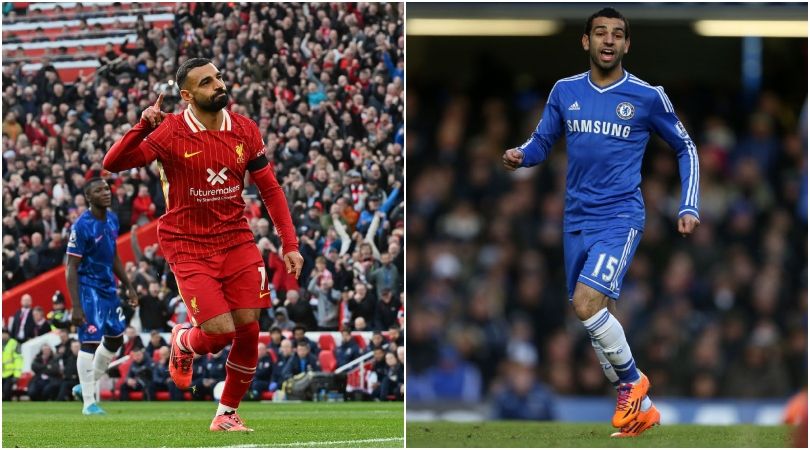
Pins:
<point x="361" y="341"/>
<point x="123" y="368"/>
<point x="133" y="396"/>
<point x="326" y="342"/>
<point x="267" y="395"/>
<point x="327" y="360"/>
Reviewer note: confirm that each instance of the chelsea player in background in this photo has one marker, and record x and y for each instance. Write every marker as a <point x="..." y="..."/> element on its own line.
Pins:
<point x="92" y="261"/>
<point x="607" y="115"/>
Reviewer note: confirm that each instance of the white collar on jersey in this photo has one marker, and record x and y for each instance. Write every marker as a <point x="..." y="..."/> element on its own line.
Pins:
<point x="615" y="84"/>
<point x="196" y="125"/>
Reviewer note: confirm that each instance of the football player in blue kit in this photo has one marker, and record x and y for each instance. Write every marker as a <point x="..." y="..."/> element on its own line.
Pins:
<point x="92" y="260"/>
<point x="607" y="116"/>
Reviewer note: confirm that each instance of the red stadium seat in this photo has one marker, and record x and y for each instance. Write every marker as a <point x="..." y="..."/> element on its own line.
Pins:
<point x="361" y="341"/>
<point x="124" y="370"/>
<point x="21" y="386"/>
<point x="327" y="342"/>
<point x="136" y="396"/>
<point x="267" y="395"/>
<point x="327" y="360"/>
<point x="162" y="395"/>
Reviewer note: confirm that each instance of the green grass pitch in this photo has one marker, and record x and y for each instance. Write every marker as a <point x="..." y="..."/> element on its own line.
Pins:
<point x="185" y="424"/>
<point x="552" y="434"/>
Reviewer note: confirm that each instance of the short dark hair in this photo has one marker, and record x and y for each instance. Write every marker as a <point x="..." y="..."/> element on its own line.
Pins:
<point x="302" y="343"/>
<point x="185" y="68"/>
<point x="90" y="183"/>
<point x="610" y="13"/>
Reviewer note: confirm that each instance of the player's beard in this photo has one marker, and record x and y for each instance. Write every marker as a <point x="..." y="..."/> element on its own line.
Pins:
<point x="214" y="104"/>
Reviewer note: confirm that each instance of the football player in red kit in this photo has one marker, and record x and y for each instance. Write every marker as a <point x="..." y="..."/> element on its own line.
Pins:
<point x="203" y="154"/>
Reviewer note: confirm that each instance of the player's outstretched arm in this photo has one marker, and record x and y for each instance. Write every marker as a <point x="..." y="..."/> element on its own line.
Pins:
<point x="131" y="151"/>
<point x="72" y="279"/>
<point x="276" y="202"/>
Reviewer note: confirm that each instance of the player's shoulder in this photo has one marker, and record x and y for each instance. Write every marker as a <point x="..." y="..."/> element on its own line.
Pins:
<point x="568" y="83"/>
<point x="652" y="92"/>
<point x="241" y="121"/>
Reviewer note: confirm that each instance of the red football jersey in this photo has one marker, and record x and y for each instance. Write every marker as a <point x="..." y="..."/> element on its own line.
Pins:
<point x="202" y="173"/>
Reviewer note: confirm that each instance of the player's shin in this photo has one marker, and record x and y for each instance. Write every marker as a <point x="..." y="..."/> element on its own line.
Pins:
<point x="240" y="367"/>
<point x="87" y="380"/>
<point x="198" y="341"/>
<point x="104" y="354"/>
<point x="609" y="334"/>
<point x="607" y="368"/>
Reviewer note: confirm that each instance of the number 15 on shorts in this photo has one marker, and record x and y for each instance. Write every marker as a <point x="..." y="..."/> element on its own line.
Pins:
<point x="609" y="269"/>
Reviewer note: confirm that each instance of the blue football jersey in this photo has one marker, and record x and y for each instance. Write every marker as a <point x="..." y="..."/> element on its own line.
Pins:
<point x="606" y="131"/>
<point x="94" y="241"/>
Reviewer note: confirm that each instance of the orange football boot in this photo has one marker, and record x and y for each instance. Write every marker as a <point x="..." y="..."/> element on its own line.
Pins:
<point x="180" y="362"/>
<point x="628" y="405"/>
<point x="644" y="421"/>
<point x="228" y="422"/>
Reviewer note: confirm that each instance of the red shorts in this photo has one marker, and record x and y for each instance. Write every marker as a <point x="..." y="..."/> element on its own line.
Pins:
<point x="222" y="283"/>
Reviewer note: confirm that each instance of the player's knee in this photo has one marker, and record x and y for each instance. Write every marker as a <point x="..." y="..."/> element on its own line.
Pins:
<point x="113" y="343"/>
<point x="585" y="307"/>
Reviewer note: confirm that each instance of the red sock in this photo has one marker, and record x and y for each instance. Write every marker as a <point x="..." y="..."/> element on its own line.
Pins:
<point x="241" y="364"/>
<point x="203" y="343"/>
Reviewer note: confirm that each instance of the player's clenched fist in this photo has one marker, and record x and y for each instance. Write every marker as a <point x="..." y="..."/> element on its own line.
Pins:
<point x="294" y="262"/>
<point x="687" y="224"/>
<point x="512" y="158"/>
<point x="153" y="115"/>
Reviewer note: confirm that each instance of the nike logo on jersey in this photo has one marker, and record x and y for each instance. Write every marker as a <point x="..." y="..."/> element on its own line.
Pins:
<point x="189" y="155"/>
<point x="574" y="107"/>
<point x="99" y="238"/>
<point x="264" y="294"/>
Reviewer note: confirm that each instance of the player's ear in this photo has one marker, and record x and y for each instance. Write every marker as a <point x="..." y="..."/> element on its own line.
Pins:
<point x="186" y="95"/>
<point x="586" y="42"/>
<point x="627" y="46"/>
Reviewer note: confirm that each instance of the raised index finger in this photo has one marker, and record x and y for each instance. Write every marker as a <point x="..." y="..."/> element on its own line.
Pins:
<point x="159" y="101"/>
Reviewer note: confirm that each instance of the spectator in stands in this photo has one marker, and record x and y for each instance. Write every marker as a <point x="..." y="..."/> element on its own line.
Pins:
<point x="153" y="309"/>
<point x="299" y="311"/>
<point x="139" y="376"/>
<point x="360" y="324"/>
<point x="22" y="324"/>
<point x="328" y="298"/>
<point x="362" y="303"/>
<point x="131" y="341"/>
<point x="282" y="321"/>
<point x="59" y="317"/>
<point x="379" y="370"/>
<point x="392" y="385"/>
<point x="12" y="364"/>
<point x="386" y="276"/>
<point x="386" y="313"/>
<point x="213" y="371"/>
<point x="143" y="209"/>
<point x="299" y="335"/>
<point x="156" y="342"/>
<point x="70" y="375"/>
<point x="302" y="361"/>
<point x="161" y="380"/>
<point x="41" y="324"/>
<point x="275" y="340"/>
<point x="47" y="375"/>
<point x="377" y="340"/>
<point x="264" y="374"/>
<point x="285" y="354"/>
<point x="395" y="335"/>
<point x="348" y="349"/>
<point x="522" y="397"/>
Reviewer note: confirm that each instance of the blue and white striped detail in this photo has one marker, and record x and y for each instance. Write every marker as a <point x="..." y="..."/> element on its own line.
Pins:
<point x="628" y="247"/>
<point x="599" y="322"/>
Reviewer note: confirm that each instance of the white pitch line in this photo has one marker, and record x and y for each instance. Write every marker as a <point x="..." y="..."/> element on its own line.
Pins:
<point x="316" y="443"/>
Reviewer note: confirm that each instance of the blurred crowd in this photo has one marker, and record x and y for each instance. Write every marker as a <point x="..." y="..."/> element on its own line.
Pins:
<point x="722" y="313"/>
<point x="324" y="82"/>
<point x="285" y="357"/>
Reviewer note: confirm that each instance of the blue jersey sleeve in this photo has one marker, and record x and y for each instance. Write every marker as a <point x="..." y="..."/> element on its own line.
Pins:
<point x="78" y="240"/>
<point x="664" y="121"/>
<point x="548" y="130"/>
